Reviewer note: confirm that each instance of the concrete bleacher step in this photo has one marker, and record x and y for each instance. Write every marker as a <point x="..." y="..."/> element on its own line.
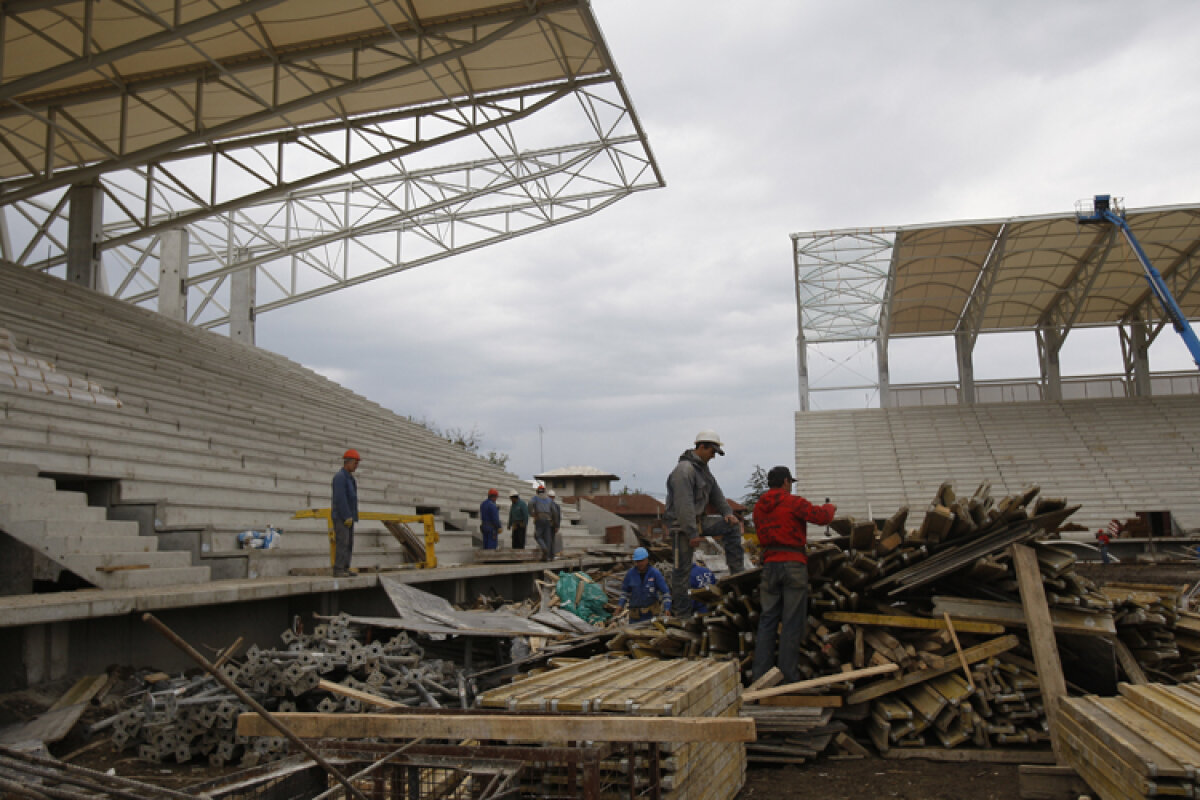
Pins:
<point x="61" y="526"/>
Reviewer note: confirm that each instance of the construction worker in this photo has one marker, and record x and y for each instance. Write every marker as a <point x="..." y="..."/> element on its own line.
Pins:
<point x="690" y="489"/>
<point x="1105" y="538"/>
<point x="644" y="589"/>
<point x="698" y="578"/>
<point x="489" y="521"/>
<point x="780" y="519"/>
<point x="518" y="519"/>
<point x="542" y="509"/>
<point x="343" y="512"/>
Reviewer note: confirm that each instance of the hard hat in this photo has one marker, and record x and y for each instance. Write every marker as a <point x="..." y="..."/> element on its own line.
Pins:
<point x="493" y="493"/>
<point x="710" y="437"/>
<point x="514" y="493"/>
<point x="552" y="494"/>
<point x="351" y="453"/>
<point x="640" y="554"/>
<point x="699" y="557"/>
<point x="541" y="488"/>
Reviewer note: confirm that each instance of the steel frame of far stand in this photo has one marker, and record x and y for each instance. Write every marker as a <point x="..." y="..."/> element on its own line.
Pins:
<point x="582" y="762"/>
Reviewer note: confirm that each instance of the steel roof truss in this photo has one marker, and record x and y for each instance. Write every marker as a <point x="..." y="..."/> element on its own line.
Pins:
<point x="970" y="321"/>
<point x="1064" y="309"/>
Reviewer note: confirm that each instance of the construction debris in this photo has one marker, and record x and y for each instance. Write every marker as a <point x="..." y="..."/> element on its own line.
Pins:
<point x="183" y="718"/>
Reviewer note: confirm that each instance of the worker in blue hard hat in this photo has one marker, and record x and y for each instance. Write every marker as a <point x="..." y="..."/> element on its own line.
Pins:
<point x="644" y="589"/>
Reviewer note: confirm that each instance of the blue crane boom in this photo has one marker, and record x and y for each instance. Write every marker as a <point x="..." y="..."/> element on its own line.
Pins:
<point x="1104" y="210"/>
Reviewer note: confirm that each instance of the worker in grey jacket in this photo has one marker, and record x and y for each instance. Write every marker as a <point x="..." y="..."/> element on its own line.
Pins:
<point x="691" y="487"/>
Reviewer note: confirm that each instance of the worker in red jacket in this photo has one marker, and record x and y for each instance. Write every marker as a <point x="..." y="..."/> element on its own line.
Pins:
<point x="780" y="519"/>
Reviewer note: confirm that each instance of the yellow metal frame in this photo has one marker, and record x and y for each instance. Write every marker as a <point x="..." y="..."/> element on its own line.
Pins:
<point x="426" y="520"/>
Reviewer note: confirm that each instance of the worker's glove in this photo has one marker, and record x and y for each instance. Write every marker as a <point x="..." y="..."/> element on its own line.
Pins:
<point x="348" y="522"/>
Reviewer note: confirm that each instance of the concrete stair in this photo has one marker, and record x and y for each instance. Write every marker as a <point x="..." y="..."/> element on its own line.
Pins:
<point x="61" y="526"/>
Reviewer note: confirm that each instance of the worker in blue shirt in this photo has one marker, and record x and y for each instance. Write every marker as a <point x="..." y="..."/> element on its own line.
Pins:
<point x="644" y="589"/>
<point x="700" y="577"/>
<point x="343" y="513"/>
<point x="489" y="521"/>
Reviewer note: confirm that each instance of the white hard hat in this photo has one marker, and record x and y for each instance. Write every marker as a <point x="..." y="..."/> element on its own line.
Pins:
<point x="552" y="494"/>
<point x="711" y="437"/>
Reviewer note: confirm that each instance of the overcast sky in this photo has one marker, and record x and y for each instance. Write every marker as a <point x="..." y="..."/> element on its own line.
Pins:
<point x="623" y="334"/>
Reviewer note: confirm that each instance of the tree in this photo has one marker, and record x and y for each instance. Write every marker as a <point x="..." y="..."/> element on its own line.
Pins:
<point x="468" y="440"/>
<point x="757" y="486"/>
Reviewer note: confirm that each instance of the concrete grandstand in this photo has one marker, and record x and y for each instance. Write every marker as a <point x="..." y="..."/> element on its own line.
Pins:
<point x="135" y="442"/>
<point x="1119" y="444"/>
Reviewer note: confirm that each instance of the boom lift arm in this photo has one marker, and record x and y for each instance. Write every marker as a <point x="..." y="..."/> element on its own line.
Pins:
<point x="1106" y="210"/>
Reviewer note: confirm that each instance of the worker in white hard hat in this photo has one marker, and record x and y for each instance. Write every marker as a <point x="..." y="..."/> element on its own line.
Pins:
<point x="691" y="488"/>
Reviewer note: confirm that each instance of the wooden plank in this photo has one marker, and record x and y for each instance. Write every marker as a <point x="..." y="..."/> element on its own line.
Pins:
<point x="979" y="652"/>
<point x="525" y="728"/>
<point x="825" y="680"/>
<point x="1041" y="636"/>
<point x="82" y="691"/>
<point x="770" y="678"/>
<point x="804" y="701"/>
<point x="919" y="623"/>
<point x="959" y="650"/>
<point x="365" y="697"/>
<point x="1011" y="614"/>
<point x="996" y="755"/>
<point x="1133" y="670"/>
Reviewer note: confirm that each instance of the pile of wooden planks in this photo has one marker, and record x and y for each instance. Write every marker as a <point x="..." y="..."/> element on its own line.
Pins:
<point x="647" y="687"/>
<point x="1145" y="743"/>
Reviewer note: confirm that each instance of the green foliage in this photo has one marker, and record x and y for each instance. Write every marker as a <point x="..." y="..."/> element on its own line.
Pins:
<point x="757" y="486"/>
<point x="468" y="440"/>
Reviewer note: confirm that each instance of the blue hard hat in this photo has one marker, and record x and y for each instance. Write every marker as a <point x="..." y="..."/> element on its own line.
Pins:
<point x="640" y="553"/>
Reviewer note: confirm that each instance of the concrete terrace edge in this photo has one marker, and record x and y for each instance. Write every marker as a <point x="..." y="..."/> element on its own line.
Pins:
<point x="37" y="609"/>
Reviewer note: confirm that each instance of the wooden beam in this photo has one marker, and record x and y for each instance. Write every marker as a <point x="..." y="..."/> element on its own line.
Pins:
<point x="824" y="680"/>
<point x="959" y="650"/>
<point x="804" y="701"/>
<point x="770" y="678"/>
<point x="995" y="755"/>
<point x="357" y="694"/>
<point x="979" y="652"/>
<point x="919" y="623"/>
<point x="1041" y="637"/>
<point x="524" y="728"/>
<point x="1065" y="620"/>
<point x="1133" y="670"/>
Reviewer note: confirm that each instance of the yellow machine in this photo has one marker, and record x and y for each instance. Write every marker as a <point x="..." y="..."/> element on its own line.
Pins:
<point x="420" y="553"/>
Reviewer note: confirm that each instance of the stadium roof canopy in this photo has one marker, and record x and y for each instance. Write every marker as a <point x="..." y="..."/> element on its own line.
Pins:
<point x="320" y="144"/>
<point x="1018" y="273"/>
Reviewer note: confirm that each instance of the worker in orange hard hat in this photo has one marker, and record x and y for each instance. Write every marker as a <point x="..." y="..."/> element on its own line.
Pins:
<point x="489" y="521"/>
<point x="343" y="512"/>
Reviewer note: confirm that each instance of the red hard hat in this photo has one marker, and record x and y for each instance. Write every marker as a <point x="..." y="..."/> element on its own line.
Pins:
<point x="351" y="453"/>
<point x="493" y="493"/>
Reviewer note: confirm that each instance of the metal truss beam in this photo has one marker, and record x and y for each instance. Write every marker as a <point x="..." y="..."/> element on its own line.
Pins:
<point x="841" y="281"/>
<point x="86" y="55"/>
<point x="1182" y="276"/>
<point x="1063" y="310"/>
<point x="970" y="321"/>
<point x="49" y="123"/>
<point x="194" y="185"/>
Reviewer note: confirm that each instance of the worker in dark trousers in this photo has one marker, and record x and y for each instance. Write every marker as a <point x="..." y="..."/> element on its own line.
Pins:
<point x="518" y="520"/>
<point x="780" y="519"/>
<point x="541" y="508"/>
<point x="690" y="488"/>
<point x="343" y="513"/>
<point x="644" y="589"/>
<point x="489" y="521"/>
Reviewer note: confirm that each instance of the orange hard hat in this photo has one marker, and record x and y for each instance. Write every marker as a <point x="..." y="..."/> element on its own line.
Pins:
<point x="493" y="493"/>
<point x="351" y="453"/>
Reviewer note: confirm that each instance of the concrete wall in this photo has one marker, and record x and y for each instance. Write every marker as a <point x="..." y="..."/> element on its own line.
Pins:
<point x="598" y="519"/>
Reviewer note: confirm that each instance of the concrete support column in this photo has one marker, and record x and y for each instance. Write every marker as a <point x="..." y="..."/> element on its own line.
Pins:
<point x="802" y="369"/>
<point x="241" y="301"/>
<point x="172" y="274"/>
<point x="966" y="368"/>
<point x="885" y="381"/>
<point x="1137" y="357"/>
<point x="1049" y="343"/>
<point x="46" y="653"/>
<point x="84" y="230"/>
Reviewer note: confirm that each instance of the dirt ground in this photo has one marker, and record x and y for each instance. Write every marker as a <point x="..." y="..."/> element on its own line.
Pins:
<point x="872" y="778"/>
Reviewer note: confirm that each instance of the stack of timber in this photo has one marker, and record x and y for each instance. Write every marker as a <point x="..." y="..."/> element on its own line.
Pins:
<point x="1145" y="743"/>
<point x="646" y="687"/>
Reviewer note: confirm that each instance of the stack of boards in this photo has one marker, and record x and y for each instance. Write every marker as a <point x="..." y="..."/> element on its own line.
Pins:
<point x="646" y="687"/>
